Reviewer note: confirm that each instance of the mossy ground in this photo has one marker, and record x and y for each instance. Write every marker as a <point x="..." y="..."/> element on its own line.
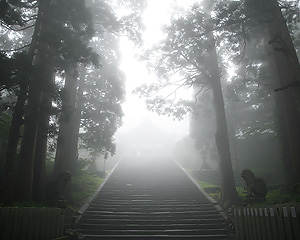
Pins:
<point x="275" y="195"/>
<point x="83" y="185"/>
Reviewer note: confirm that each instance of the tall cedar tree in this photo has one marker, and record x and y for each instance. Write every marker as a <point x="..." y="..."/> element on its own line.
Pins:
<point x="190" y="49"/>
<point x="12" y="14"/>
<point x="288" y="70"/>
<point x="252" y="13"/>
<point x="58" y="30"/>
<point x="64" y="161"/>
<point x="94" y="106"/>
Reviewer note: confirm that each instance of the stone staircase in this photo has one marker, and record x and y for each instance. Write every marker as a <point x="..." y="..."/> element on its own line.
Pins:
<point x="151" y="198"/>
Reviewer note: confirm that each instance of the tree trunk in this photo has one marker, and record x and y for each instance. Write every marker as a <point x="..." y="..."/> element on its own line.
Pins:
<point x="229" y="193"/>
<point x="23" y="185"/>
<point x="77" y="117"/>
<point x="25" y="167"/>
<point x="26" y="161"/>
<point x="13" y="139"/>
<point x="288" y="70"/>
<point x="38" y="191"/>
<point x="17" y="122"/>
<point x="65" y="146"/>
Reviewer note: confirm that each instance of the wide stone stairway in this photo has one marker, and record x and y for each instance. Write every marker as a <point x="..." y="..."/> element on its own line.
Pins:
<point x="151" y="198"/>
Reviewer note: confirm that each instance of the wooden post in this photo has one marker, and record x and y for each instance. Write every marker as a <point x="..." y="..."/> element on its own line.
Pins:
<point x="242" y="225"/>
<point x="236" y="222"/>
<point x="9" y="223"/>
<point x="2" y="220"/>
<point x="62" y="225"/>
<point x="253" y="224"/>
<point x="43" y="224"/>
<point x="263" y="226"/>
<point x="53" y="223"/>
<point x="258" y="224"/>
<point x="48" y="221"/>
<point x="6" y="224"/>
<point x="24" y="224"/>
<point x="59" y="224"/>
<point x="247" y="233"/>
<point x="295" y="222"/>
<point x="31" y="225"/>
<point x="38" y="218"/>
<point x="268" y="224"/>
<point x="250" y="226"/>
<point x="19" y="227"/>
<point x="280" y="222"/>
<point x="287" y="222"/>
<point x="17" y="222"/>
<point x="274" y="226"/>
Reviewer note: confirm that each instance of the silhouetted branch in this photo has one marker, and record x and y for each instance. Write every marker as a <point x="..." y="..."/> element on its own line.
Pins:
<point x="16" y="49"/>
<point x="4" y="121"/>
<point x="293" y="84"/>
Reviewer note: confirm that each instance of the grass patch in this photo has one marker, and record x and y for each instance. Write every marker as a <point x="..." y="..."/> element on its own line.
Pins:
<point x="274" y="196"/>
<point x="83" y="185"/>
<point x="281" y="195"/>
<point x="27" y="205"/>
<point x="241" y="191"/>
<point x="206" y="185"/>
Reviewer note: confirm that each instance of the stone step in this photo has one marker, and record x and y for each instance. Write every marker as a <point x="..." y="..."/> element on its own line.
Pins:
<point x="145" y="201"/>
<point x="88" y="220"/>
<point x="150" y="208"/>
<point x="149" y="226"/>
<point x="174" y="213"/>
<point x="156" y="237"/>
<point x="168" y="232"/>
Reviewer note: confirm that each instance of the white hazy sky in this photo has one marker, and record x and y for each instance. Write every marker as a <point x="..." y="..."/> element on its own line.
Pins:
<point x="157" y="14"/>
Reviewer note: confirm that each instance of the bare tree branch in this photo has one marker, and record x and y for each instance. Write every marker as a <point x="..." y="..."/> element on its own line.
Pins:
<point x="16" y="49"/>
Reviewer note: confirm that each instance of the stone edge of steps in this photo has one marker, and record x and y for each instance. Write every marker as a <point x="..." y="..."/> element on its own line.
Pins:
<point x="86" y="205"/>
<point x="213" y="201"/>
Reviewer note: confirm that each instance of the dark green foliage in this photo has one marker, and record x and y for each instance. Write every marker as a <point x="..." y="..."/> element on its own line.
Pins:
<point x="275" y="194"/>
<point x="60" y="41"/>
<point x="103" y="94"/>
<point x="14" y="70"/>
<point x="56" y="188"/>
<point x="67" y="27"/>
<point x="82" y="185"/>
<point x="102" y="113"/>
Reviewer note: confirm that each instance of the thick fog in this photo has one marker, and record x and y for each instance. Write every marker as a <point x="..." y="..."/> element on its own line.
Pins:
<point x="211" y="84"/>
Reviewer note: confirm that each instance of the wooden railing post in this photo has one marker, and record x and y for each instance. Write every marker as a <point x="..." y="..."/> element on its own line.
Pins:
<point x="279" y="219"/>
<point x="288" y="222"/>
<point x="258" y="224"/>
<point x="295" y="222"/>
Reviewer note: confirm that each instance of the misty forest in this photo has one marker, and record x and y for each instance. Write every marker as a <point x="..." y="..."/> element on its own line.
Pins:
<point x="229" y="68"/>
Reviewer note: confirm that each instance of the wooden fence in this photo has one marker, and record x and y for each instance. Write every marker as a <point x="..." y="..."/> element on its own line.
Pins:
<point x="267" y="223"/>
<point x="34" y="223"/>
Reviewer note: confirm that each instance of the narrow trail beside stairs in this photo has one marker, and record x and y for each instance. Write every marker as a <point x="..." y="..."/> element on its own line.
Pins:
<point x="151" y="198"/>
